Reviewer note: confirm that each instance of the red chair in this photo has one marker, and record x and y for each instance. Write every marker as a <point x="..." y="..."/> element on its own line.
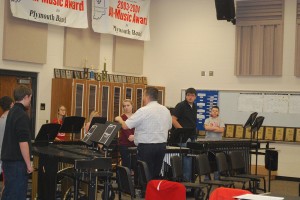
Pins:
<point x="223" y="193"/>
<point x="165" y="190"/>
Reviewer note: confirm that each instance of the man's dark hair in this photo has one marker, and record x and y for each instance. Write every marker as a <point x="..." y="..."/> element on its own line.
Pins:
<point x="152" y="92"/>
<point x="5" y="103"/>
<point x="190" y="91"/>
<point x="21" y="91"/>
<point x="217" y="107"/>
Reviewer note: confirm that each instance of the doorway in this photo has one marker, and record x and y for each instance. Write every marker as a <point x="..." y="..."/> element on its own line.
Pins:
<point x="10" y="79"/>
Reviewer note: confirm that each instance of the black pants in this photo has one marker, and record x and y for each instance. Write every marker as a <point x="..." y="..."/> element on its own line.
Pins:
<point x="125" y="156"/>
<point x="153" y="155"/>
<point x="127" y="159"/>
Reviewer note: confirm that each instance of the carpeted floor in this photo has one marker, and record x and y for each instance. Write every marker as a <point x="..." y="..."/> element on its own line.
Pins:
<point x="284" y="188"/>
<point x="279" y="188"/>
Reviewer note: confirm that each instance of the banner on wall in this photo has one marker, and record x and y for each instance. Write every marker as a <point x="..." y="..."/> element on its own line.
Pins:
<point x="125" y="18"/>
<point x="70" y="13"/>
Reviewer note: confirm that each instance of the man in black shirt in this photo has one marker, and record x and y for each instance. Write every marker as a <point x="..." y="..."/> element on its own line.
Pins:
<point x="184" y="115"/>
<point x="15" y="153"/>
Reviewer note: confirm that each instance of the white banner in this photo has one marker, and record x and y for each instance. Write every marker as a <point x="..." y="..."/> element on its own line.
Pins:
<point x="126" y="18"/>
<point x="70" y="13"/>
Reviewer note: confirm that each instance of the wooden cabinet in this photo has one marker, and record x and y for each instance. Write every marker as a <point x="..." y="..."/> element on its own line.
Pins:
<point x="138" y="95"/>
<point x="138" y="92"/>
<point x="111" y="96"/>
<point x="104" y="99"/>
<point x="93" y="94"/>
<point x="117" y="98"/>
<point x="81" y="97"/>
<point x="78" y="106"/>
<point x="128" y="91"/>
<point x="71" y="93"/>
<point x="61" y="95"/>
<point x="161" y="94"/>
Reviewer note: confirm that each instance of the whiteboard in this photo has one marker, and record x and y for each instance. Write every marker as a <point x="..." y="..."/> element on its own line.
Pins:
<point x="278" y="108"/>
<point x="250" y="102"/>
<point x="294" y="106"/>
<point x="276" y="103"/>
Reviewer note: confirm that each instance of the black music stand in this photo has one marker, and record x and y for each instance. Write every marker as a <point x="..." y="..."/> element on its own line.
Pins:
<point x="104" y="134"/>
<point x="180" y="135"/>
<point x="249" y="123"/>
<point x="107" y="133"/>
<point x="254" y="130"/>
<point x="250" y="120"/>
<point x="257" y="124"/>
<point x="47" y="133"/>
<point x="72" y="124"/>
<point x="99" y="120"/>
<point x="94" y="133"/>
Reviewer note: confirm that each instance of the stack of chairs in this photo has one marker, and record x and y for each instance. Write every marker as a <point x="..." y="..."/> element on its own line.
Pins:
<point x="225" y="171"/>
<point x="143" y="176"/>
<point x="124" y="180"/>
<point x="204" y="174"/>
<point x="238" y="169"/>
<point x="176" y="164"/>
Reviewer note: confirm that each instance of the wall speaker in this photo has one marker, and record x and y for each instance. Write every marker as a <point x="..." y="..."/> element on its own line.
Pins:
<point x="271" y="160"/>
<point x="225" y="9"/>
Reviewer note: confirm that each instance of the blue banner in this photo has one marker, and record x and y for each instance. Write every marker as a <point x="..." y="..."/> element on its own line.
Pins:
<point x="205" y="100"/>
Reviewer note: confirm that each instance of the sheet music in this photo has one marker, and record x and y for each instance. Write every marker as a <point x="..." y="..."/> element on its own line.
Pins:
<point x="257" y="197"/>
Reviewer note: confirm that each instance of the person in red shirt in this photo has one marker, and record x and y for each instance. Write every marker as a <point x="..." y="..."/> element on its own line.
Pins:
<point x="126" y="137"/>
<point x="61" y="114"/>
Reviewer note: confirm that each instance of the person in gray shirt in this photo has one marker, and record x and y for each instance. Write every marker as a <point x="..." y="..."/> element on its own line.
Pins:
<point x="6" y="103"/>
<point x="213" y="125"/>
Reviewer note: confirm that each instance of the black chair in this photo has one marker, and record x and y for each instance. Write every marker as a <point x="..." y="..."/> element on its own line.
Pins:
<point x="143" y="175"/>
<point x="203" y="170"/>
<point x="224" y="171"/>
<point x="124" y="181"/>
<point x="176" y="164"/>
<point x="239" y="170"/>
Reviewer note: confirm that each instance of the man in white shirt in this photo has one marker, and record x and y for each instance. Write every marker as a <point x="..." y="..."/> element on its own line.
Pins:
<point x="152" y="123"/>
